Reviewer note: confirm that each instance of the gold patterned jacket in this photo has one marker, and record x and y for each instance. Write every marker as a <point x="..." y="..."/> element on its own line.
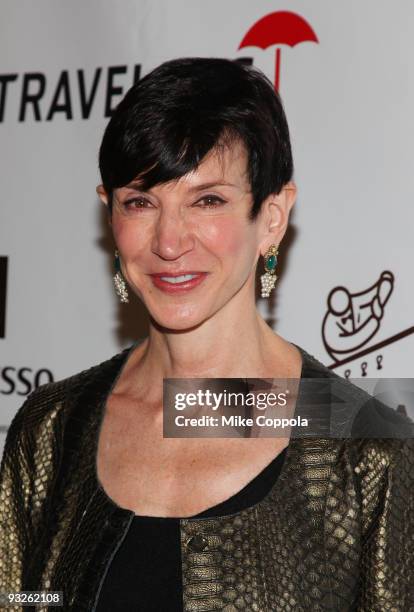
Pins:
<point x="335" y="532"/>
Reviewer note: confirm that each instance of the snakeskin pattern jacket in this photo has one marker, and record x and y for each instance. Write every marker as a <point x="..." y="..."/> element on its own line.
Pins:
<point x="335" y="532"/>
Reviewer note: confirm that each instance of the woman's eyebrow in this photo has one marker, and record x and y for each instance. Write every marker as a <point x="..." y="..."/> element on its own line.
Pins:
<point x="136" y="185"/>
<point x="210" y="185"/>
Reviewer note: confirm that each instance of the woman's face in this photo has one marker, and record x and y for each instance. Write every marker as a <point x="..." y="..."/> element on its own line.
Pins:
<point x="197" y="225"/>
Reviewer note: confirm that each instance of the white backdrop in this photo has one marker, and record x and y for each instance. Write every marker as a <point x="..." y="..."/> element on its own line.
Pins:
<point x="349" y="99"/>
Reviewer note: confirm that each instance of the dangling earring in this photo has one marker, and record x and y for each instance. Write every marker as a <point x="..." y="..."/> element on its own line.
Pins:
<point x="119" y="282"/>
<point x="269" y="278"/>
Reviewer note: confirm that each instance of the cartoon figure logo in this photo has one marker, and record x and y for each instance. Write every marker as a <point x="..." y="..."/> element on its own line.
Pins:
<point x="352" y="319"/>
<point x="279" y="28"/>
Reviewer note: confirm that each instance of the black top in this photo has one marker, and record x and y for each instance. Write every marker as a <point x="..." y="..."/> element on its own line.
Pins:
<point x="147" y="566"/>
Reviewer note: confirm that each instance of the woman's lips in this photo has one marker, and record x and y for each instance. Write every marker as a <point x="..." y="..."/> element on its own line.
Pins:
<point x="178" y="287"/>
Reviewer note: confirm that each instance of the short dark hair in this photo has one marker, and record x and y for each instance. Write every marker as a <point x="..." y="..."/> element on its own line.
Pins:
<point x="169" y="120"/>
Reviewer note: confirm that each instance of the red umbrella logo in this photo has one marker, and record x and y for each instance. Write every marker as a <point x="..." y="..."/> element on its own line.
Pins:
<point x="279" y="28"/>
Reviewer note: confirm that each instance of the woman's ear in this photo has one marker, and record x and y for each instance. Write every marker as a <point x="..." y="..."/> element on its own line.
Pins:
<point x="103" y="196"/>
<point x="276" y="210"/>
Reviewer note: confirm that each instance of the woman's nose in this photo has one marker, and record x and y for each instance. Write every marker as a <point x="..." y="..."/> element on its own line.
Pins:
<point x="172" y="236"/>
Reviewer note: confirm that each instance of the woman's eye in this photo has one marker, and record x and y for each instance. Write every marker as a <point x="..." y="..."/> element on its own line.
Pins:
<point x="210" y="201"/>
<point x="136" y="203"/>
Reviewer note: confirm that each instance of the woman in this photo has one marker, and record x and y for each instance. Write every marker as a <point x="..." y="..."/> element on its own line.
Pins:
<point x="196" y="172"/>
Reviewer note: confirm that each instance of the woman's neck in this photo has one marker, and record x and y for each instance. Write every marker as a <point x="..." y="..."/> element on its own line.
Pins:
<point x="210" y="350"/>
<point x="247" y="351"/>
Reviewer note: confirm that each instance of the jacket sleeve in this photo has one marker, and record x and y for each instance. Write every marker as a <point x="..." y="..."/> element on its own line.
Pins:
<point x="387" y="558"/>
<point x="16" y="483"/>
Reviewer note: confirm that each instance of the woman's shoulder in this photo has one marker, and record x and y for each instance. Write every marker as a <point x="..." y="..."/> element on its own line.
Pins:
<point x="50" y="403"/>
<point x="365" y="434"/>
<point x="34" y="441"/>
<point x="370" y="441"/>
<point x="353" y="412"/>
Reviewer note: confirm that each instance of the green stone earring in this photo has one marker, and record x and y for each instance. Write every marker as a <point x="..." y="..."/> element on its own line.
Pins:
<point x="269" y="278"/>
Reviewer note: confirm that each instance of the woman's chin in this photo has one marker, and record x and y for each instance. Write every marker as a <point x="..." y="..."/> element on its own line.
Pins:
<point x="179" y="319"/>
